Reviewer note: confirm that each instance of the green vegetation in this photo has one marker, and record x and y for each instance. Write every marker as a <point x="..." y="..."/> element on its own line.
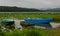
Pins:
<point x="21" y="9"/>
<point x="32" y="32"/>
<point x="56" y="16"/>
<point x="16" y="9"/>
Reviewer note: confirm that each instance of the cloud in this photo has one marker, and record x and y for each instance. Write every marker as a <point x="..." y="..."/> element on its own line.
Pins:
<point x="31" y="3"/>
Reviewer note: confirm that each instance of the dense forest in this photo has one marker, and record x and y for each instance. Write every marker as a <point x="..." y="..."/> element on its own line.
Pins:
<point x="20" y="9"/>
<point x="16" y="9"/>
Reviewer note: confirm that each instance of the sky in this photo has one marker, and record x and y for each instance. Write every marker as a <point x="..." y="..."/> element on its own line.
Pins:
<point x="38" y="4"/>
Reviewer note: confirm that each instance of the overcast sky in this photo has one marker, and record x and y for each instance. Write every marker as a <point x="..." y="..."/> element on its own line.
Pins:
<point x="31" y="3"/>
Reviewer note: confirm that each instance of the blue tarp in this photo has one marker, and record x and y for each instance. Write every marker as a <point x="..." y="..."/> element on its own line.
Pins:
<point x="39" y="21"/>
<point x="45" y="22"/>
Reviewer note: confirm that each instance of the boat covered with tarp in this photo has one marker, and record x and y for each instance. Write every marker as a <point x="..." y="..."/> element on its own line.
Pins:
<point x="40" y="21"/>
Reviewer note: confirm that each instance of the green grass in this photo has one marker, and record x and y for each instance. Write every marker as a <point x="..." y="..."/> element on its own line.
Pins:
<point x="56" y="16"/>
<point x="32" y="32"/>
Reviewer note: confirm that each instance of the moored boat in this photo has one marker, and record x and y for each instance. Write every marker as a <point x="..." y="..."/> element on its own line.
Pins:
<point x="39" y="21"/>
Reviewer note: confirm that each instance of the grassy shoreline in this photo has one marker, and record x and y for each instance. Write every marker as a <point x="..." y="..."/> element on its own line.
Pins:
<point x="34" y="31"/>
<point x="56" y="16"/>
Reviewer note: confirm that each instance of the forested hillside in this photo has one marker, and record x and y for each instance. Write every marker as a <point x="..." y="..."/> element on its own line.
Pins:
<point x="16" y="9"/>
<point x="21" y="9"/>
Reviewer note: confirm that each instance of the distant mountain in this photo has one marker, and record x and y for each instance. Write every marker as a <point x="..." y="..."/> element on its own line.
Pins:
<point x="16" y="9"/>
<point x="20" y="9"/>
<point x="53" y="10"/>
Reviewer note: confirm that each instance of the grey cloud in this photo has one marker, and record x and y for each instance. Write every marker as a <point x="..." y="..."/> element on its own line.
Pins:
<point x="31" y="3"/>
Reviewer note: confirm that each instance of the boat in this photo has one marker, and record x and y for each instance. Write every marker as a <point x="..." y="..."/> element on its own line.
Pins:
<point x="39" y="20"/>
<point x="43" y="22"/>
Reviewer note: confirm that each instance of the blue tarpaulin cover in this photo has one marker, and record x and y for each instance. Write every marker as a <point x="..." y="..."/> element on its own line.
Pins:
<point x="39" y="21"/>
<point x="45" y="22"/>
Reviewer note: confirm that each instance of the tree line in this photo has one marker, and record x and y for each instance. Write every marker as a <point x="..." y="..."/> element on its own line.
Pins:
<point x="20" y="9"/>
<point x="16" y="9"/>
